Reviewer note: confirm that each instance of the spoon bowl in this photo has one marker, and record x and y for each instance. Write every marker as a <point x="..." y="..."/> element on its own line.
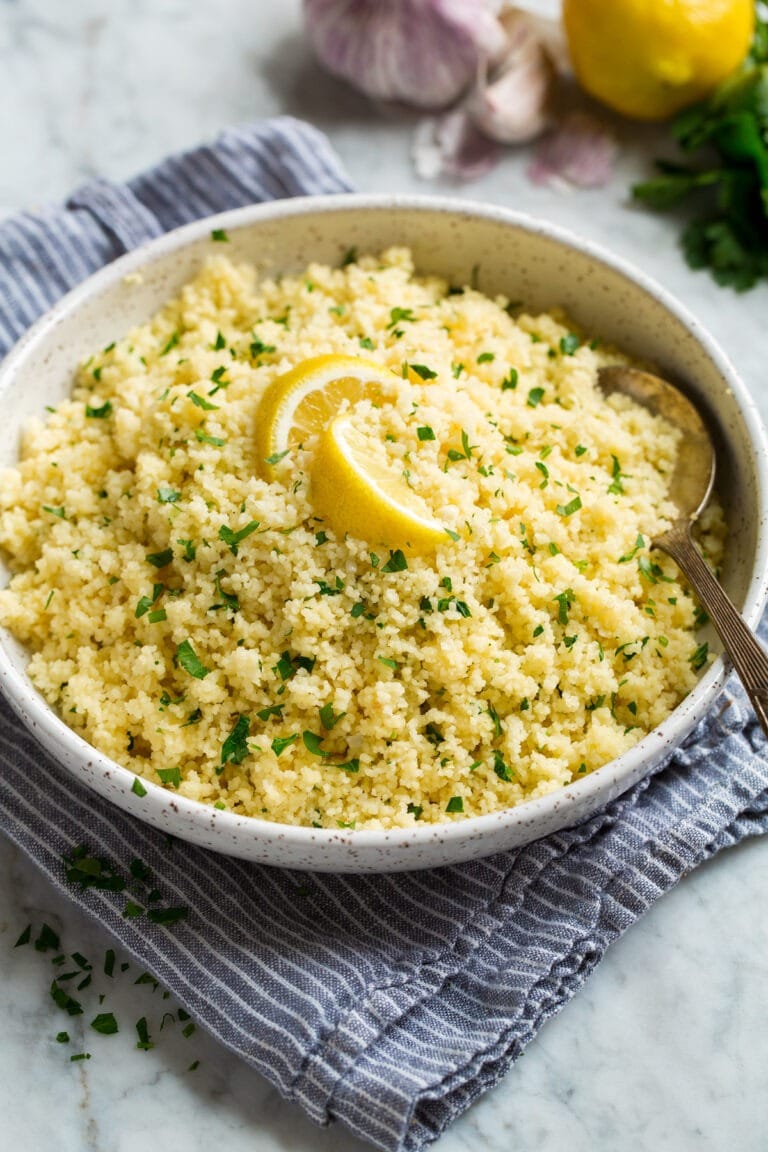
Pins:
<point x="690" y="488"/>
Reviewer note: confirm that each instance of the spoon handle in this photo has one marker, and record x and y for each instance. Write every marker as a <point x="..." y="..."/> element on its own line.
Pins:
<point x="746" y="654"/>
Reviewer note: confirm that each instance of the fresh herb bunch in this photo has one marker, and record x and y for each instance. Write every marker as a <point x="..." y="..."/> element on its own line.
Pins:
<point x="730" y="233"/>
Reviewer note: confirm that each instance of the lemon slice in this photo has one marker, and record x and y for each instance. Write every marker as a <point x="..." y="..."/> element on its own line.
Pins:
<point x="359" y="495"/>
<point x="303" y="402"/>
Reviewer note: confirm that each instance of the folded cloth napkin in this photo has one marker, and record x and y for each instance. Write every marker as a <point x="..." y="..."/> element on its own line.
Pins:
<point x="387" y="1002"/>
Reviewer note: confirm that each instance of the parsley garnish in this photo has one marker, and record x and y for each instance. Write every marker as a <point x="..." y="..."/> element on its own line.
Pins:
<point x="535" y="396"/>
<point x="259" y="348"/>
<point x="423" y="371"/>
<point x="138" y="788"/>
<point x="160" y="559"/>
<point x="455" y="804"/>
<point x="425" y="433"/>
<point x="349" y="257"/>
<point x="170" y="776"/>
<point x="579" y="450"/>
<point x="55" y="512"/>
<point x="639" y="543"/>
<point x="105" y="1023"/>
<point x="172" y="342"/>
<point x="280" y="743"/>
<point x="398" y="315"/>
<point x="220" y="236"/>
<point x="234" y="539"/>
<point x="272" y="710"/>
<point x="167" y="495"/>
<point x="186" y="657"/>
<point x="486" y="357"/>
<point x="569" y="508"/>
<point x="201" y="402"/>
<point x="415" y="810"/>
<point x="509" y="382"/>
<point x="700" y="656"/>
<point x="276" y="457"/>
<point x="367" y="343"/>
<point x="313" y="742"/>
<point x="396" y="562"/>
<point x="564" y="601"/>
<point x="569" y="344"/>
<point x="99" y="413"/>
<point x="204" y="438"/>
<point x="389" y="662"/>
<point x="328" y="718"/>
<point x="235" y="748"/>
<point x="500" y="767"/>
<point x="652" y="572"/>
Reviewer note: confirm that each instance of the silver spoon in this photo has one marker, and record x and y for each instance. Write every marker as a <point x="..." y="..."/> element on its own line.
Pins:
<point x="690" y="489"/>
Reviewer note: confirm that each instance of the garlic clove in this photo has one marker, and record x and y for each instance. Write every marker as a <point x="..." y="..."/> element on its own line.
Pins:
<point x="452" y="145"/>
<point x="512" y="98"/>
<point x="579" y="152"/>
<point x="422" y="52"/>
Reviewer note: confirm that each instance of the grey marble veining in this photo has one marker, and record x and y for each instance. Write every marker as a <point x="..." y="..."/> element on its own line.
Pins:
<point x="666" y="1047"/>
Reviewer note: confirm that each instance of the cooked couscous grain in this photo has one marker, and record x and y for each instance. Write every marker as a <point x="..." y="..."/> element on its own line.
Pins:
<point x="207" y="629"/>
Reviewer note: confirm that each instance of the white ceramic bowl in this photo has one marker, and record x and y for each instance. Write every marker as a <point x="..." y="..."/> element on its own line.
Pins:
<point x="525" y="259"/>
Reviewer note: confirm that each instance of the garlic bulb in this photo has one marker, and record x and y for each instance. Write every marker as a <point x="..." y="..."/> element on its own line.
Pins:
<point x="422" y="52"/>
<point x="512" y="98"/>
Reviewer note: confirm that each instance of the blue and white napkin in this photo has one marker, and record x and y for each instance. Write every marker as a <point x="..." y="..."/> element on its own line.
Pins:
<point x="388" y="1003"/>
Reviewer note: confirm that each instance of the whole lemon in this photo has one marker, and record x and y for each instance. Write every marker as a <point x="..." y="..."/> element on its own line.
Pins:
<point x="650" y="58"/>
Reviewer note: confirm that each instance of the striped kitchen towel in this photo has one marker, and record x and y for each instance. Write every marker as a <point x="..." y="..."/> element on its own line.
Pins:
<point x="388" y="1003"/>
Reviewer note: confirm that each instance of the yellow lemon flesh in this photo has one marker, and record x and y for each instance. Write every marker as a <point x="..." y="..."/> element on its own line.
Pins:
<point x="300" y="403"/>
<point x="648" y="58"/>
<point x="351" y="488"/>
<point x="358" y="494"/>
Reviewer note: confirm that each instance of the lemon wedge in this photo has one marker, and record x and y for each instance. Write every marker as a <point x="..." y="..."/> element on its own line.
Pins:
<point x="302" y="402"/>
<point x="359" y="495"/>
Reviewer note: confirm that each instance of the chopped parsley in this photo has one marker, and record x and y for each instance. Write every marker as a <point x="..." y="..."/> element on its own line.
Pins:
<point x="167" y="495"/>
<point x="105" y="1023"/>
<point x="509" y="383"/>
<point x="190" y="549"/>
<point x="138" y="788"/>
<point x="259" y="348"/>
<point x="389" y="662"/>
<point x="272" y="710"/>
<point x="639" y="543"/>
<point x="400" y="315"/>
<point x="280" y="743"/>
<point x="99" y="413"/>
<point x="219" y="236"/>
<point x="170" y="776"/>
<point x="564" y="601"/>
<point x="349" y="257"/>
<point x="579" y="450"/>
<point x="616" y="487"/>
<point x="328" y="718"/>
<point x="201" y="402"/>
<point x="653" y="572"/>
<point x="171" y="344"/>
<point x="455" y="804"/>
<point x="569" y="508"/>
<point x="367" y="343"/>
<point x="500" y="767"/>
<point x="234" y="539"/>
<point x="423" y="371"/>
<point x="486" y="357"/>
<point x="160" y="559"/>
<point x="425" y="433"/>
<point x="700" y="656"/>
<point x="569" y="344"/>
<point x="313" y="744"/>
<point x="55" y="511"/>
<point x="204" y="438"/>
<point x="396" y="562"/>
<point x="190" y="662"/>
<point x="235" y="748"/>
<point x="535" y="397"/>
<point x="415" y="810"/>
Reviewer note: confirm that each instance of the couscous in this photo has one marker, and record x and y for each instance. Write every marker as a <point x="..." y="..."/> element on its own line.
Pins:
<point x="204" y="625"/>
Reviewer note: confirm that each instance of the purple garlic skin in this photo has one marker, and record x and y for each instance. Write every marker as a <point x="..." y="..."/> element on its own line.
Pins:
<point x="512" y="98"/>
<point x="422" y="52"/>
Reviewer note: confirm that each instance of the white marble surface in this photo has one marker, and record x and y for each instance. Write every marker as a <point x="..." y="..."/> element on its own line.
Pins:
<point x="666" y="1047"/>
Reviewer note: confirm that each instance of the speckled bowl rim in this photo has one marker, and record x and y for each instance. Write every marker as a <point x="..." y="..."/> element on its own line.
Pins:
<point x="591" y="792"/>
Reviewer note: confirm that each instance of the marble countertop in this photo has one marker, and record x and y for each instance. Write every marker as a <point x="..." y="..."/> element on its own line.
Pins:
<point x="666" y="1047"/>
